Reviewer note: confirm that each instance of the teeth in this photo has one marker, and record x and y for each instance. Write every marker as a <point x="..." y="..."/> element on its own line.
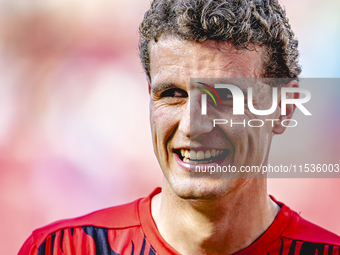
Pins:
<point x="193" y="154"/>
<point x="200" y="155"/>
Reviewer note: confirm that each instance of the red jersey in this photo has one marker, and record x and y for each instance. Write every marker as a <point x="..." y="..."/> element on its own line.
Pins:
<point x="130" y="229"/>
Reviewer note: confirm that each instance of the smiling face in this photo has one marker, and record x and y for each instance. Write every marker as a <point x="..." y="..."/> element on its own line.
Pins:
<point x="182" y="137"/>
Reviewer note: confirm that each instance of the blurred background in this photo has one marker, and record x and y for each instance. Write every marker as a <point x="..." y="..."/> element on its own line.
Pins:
<point x="74" y="131"/>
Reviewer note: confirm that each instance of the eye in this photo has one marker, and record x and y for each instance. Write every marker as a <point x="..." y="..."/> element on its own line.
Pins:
<point x="174" y="93"/>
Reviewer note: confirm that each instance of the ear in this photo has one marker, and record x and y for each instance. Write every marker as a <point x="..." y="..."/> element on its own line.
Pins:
<point x="149" y="86"/>
<point x="290" y="108"/>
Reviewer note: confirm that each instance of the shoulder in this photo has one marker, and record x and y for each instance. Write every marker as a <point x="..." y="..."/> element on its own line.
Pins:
<point x="292" y="234"/>
<point x="113" y="218"/>
<point x="302" y="230"/>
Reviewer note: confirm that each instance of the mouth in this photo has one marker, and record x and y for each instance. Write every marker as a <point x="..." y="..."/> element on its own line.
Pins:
<point x="201" y="156"/>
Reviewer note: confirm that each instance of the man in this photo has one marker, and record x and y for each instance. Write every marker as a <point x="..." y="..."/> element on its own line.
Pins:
<point x="239" y="42"/>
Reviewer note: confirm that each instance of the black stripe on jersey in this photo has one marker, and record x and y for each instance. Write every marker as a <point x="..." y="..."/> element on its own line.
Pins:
<point x="152" y="251"/>
<point x="133" y="248"/>
<point x="311" y="248"/>
<point x="281" y="248"/>
<point x="292" y="248"/>
<point x="61" y="240"/>
<point x="307" y="248"/>
<point x="42" y="248"/>
<point x="330" y="250"/>
<point x="142" y="251"/>
<point x="52" y="242"/>
<point x="101" y="239"/>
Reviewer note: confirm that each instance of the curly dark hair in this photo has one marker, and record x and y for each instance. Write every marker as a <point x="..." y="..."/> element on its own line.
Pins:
<point x="245" y="23"/>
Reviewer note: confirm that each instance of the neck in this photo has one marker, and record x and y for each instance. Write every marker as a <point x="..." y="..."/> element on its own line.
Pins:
<point x="221" y="226"/>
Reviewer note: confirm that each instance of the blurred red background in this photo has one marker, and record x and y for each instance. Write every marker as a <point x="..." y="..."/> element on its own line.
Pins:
<point x="74" y="131"/>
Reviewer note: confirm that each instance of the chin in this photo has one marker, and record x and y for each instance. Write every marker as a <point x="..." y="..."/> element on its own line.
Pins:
<point x="202" y="188"/>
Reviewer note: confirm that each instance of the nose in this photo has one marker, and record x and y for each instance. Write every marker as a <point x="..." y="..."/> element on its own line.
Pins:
<point x="193" y="123"/>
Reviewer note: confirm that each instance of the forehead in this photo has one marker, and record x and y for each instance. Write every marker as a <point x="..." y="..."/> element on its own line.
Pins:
<point x="173" y="58"/>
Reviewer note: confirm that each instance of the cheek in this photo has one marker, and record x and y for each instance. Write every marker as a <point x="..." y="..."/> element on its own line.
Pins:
<point x="259" y="141"/>
<point x="159" y="114"/>
<point x="158" y="126"/>
<point x="163" y="119"/>
<point x="250" y="142"/>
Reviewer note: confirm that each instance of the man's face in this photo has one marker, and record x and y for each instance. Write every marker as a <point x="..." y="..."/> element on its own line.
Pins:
<point x="177" y="124"/>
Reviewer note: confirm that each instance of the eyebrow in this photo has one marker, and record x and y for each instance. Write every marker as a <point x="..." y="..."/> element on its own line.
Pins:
<point x="155" y="88"/>
<point x="244" y="90"/>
